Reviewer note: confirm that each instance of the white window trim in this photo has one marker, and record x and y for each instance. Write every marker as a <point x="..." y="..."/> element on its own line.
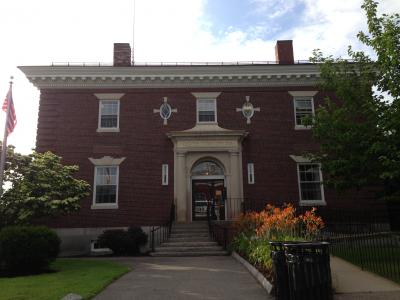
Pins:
<point x="105" y="205"/>
<point x="250" y="173"/>
<point x="302" y="94"/>
<point x="299" y="126"/>
<point x="310" y="202"/>
<point x="93" y="249"/>
<point x="206" y="96"/>
<point x="164" y="174"/>
<point x="108" y="129"/>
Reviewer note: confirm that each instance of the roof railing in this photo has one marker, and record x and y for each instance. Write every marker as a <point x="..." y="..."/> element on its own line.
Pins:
<point x="176" y="64"/>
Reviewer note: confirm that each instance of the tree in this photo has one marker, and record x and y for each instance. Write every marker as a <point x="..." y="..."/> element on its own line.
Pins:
<point x="40" y="187"/>
<point x="359" y="132"/>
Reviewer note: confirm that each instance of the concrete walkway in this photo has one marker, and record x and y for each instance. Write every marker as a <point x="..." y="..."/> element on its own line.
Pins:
<point x="351" y="282"/>
<point x="210" y="278"/>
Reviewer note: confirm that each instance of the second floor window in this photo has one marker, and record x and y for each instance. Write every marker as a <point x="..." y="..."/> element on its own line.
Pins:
<point x="109" y="114"/>
<point x="206" y="110"/>
<point x="304" y="107"/>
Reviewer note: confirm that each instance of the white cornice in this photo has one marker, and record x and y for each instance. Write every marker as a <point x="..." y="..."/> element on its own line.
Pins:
<point x="54" y="77"/>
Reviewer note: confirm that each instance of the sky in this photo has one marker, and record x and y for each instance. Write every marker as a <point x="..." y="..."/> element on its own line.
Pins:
<point x="44" y="31"/>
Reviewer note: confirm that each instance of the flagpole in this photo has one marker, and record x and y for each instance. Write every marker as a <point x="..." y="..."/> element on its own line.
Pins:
<point x="4" y="145"/>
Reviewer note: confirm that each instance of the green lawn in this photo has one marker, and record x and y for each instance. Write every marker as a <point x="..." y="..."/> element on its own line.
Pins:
<point x="83" y="277"/>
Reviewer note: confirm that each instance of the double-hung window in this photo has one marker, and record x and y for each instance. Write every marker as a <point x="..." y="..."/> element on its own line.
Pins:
<point x="303" y="107"/>
<point x="206" y="110"/>
<point x="109" y="115"/>
<point x="310" y="184"/>
<point x="106" y="187"/>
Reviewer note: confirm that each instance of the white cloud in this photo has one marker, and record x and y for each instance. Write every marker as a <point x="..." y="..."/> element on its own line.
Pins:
<point x="43" y="31"/>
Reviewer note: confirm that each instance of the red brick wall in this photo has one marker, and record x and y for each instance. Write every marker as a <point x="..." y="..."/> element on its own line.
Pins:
<point x="68" y="121"/>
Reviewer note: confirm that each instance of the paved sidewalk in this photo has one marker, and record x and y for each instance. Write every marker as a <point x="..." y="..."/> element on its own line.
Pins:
<point x="211" y="278"/>
<point x="351" y="282"/>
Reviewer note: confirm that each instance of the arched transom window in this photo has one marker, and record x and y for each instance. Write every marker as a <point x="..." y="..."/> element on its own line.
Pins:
<point x="206" y="168"/>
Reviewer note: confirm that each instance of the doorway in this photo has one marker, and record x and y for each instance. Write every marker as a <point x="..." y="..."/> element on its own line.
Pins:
<point x="208" y="197"/>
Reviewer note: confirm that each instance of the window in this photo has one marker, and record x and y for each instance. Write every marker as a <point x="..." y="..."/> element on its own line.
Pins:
<point x="106" y="187"/>
<point x="164" y="174"/>
<point x="108" y="115"/>
<point x="206" y="110"/>
<point x="207" y="168"/>
<point x="310" y="183"/>
<point x="250" y="173"/>
<point x="95" y="247"/>
<point x="304" y="107"/>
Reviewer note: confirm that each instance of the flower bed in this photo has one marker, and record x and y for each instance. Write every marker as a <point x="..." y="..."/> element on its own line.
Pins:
<point x="256" y="229"/>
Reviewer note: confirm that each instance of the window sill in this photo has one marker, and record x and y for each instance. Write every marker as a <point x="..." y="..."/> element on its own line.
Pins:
<point x="207" y="123"/>
<point x="107" y="130"/>
<point x="302" y="127"/>
<point x="104" y="206"/>
<point x="312" y="202"/>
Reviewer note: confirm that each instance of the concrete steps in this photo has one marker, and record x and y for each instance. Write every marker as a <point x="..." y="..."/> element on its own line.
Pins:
<point x="191" y="239"/>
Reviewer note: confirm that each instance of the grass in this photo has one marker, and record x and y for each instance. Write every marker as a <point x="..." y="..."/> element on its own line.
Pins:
<point x="84" y="277"/>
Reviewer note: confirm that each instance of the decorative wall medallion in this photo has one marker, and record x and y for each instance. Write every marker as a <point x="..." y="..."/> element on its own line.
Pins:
<point x="248" y="109"/>
<point x="165" y="111"/>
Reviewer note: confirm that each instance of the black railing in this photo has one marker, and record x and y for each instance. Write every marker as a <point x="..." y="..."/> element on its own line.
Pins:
<point x="159" y="234"/>
<point x="378" y="252"/>
<point x="167" y="64"/>
<point x="222" y="232"/>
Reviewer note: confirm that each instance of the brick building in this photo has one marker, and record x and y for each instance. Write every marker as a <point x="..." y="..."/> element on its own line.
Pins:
<point x="147" y="136"/>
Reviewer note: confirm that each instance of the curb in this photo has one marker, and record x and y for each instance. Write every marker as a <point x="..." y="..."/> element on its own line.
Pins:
<point x="254" y="272"/>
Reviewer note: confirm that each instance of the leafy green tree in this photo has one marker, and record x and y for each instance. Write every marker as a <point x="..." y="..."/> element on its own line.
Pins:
<point x="40" y="187"/>
<point x="358" y="130"/>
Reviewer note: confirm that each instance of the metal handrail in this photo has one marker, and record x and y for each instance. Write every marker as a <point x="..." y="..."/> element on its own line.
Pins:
<point x="163" y="231"/>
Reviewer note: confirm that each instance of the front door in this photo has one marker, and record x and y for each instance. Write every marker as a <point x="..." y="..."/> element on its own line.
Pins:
<point x="208" y="196"/>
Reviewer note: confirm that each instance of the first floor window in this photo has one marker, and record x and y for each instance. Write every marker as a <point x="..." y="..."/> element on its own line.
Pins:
<point x="303" y="108"/>
<point x="109" y="113"/>
<point x="106" y="185"/>
<point x="310" y="183"/>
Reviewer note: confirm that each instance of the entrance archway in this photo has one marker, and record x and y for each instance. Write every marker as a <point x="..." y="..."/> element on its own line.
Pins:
<point x="208" y="191"/>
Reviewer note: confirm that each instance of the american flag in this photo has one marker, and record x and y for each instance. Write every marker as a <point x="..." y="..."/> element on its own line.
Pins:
<point x="11" y="117"/>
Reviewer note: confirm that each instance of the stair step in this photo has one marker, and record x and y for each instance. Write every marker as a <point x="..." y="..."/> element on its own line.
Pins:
<point x="181" y="254"/>
<point x="188" y="244"/>
<point x="190" y="239"/>
<point x="188" y="249"/>
<point x="186" y="234"/>
<point x="189" y="230"/>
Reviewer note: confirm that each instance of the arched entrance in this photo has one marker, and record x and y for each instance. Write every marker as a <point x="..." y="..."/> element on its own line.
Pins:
<point x="208" y="190"/>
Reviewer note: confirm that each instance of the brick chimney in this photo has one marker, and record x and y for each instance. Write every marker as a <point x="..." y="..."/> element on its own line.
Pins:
<point x="284" y="52"/>
<point x="122" y="55"/>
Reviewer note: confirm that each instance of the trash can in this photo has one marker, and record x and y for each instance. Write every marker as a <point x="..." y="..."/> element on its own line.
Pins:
<point x="309" y="271"/>
<point x="281" y="280"/>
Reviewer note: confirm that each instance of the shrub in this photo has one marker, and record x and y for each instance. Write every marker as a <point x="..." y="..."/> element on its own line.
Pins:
<point x="123" y="242"/>
<point x="28" y="249"/>
<point x="138" y="236"/>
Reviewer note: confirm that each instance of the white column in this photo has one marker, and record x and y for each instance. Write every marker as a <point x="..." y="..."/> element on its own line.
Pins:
<point x="234" y="208"/>
<point x="180" y="177"/>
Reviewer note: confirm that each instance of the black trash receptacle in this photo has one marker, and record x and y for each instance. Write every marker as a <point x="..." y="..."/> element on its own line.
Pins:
<point x="281" y="280"/>
<point x="309" y="270"/>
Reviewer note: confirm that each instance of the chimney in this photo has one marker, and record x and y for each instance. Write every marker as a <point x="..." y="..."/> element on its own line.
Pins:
<point x="122" y="55"/>
<point x="284" y="52"/>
